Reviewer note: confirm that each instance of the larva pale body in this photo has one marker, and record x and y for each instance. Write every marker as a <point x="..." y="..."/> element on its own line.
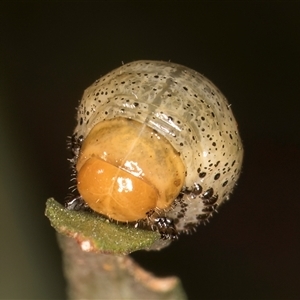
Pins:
<point x="190" y="112"/>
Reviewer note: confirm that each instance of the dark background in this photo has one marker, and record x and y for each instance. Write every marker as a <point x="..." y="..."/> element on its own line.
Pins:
<point x="49" y="53"/>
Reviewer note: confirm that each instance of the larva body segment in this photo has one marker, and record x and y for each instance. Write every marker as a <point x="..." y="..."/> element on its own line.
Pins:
<point x="186" y="109"/>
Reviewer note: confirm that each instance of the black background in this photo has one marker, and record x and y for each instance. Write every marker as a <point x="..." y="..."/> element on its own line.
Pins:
<point x="50" y="52"/>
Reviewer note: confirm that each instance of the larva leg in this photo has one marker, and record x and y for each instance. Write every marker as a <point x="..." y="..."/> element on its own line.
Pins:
<point x="76" y="203"/>
<point x="158" y="221"/>
<point x="166" y="228"/>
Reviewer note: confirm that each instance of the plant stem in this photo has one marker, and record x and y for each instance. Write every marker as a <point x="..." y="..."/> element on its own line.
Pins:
<point x="108" y="276"/>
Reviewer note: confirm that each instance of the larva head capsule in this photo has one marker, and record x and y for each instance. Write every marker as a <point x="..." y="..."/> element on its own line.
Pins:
<point x="125" y="169"/>
<point x="156" y="144"/>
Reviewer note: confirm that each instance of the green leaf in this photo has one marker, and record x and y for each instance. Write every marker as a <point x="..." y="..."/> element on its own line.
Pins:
<point x="97" y="234"/>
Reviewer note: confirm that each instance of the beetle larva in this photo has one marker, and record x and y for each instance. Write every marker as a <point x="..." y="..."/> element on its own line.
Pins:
<point x="156" y="144"/>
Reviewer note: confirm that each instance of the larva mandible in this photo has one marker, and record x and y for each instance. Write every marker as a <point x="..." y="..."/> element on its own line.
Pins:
<point x="156" y="145"/>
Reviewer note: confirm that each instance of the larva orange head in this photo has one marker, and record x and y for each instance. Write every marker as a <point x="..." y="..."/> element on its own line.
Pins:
<point x="115" y="192"/>
<point x="125" y="169"/>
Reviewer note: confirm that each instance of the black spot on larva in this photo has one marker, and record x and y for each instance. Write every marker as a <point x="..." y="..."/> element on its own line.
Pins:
<point x="175" y="221"/>
<point x="213" y="115"/>
<point x="217" y="163"/>
<point x="233" y="163"/>
<point x="183" y="205"/>
<point x="197" y="189"/>
<point x="217" y="176"/>
<point x="202" y="217"/>
<point x="209" y="209"/>
<point x="211" y="201"/>
<point x="81" y="121"/>
<point x="189" y="226"/>
<point x="135" y="104"/>
<point x="202" y="118"/>
<point x="214" y="144"/>
<point x="170" y="118"/>
<point x="185" y="88"/>
<point x="208" y="193"/>
<point x="180" y="215"/>
<point x="202" y="174"/>
<point x="225" y="183"/>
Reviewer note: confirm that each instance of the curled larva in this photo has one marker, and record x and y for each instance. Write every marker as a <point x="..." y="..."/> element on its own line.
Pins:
<point x="156" y="144"/>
